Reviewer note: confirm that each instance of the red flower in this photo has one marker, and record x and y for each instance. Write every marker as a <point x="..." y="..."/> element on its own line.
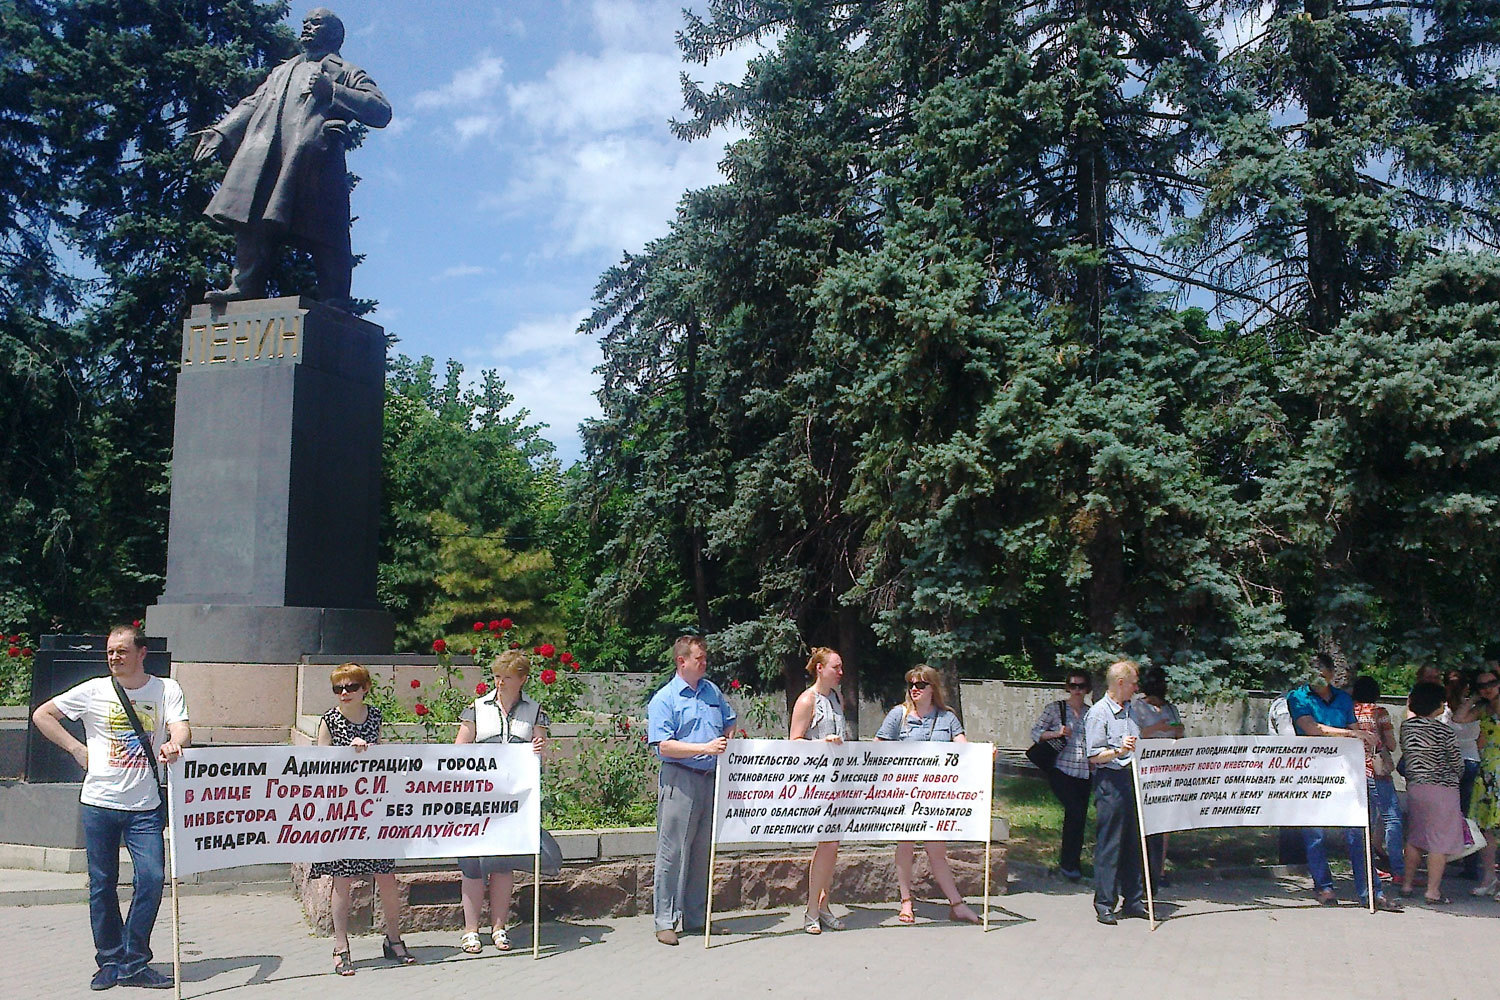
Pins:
<point x="495" y="625"/>
<point x="415" y="683"/>
<point x="439" y="646"/>
<point x="565" y="658"/>
<point x="546" y="650"/>
<point x="136" y="623"/>
<point x="14" y="651"/>
<point x="625" y="725"/>
<point x="12" y="638"/>
<point x="481" y="688"/>
<point x="515" y="645"/>
<point x="420" y="709"/>
<point x="575" y="665"/>
<point x="479" y="626"/>
<point x="505" y="623"/>
<point x="734" y="685"/>
<point x="473" y="650"/>
<point x="26" y="651"/>
<point x="549" y="676"/>
<point x="741" y="734"/>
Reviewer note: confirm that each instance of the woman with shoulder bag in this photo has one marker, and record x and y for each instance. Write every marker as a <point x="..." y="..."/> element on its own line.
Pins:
<point x="1061" y="724"/>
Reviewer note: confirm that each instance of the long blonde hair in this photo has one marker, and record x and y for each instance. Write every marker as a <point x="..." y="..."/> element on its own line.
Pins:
<point x="922" y="672"/>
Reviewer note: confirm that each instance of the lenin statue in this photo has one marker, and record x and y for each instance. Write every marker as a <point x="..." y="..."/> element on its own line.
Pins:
<point x="287" y="182"/>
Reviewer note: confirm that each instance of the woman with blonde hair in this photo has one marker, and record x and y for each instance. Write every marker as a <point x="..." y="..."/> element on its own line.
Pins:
<point x="503" y="715"/>
<point x="352" y="723"/>
<point x="925" y="717"/>
<point x="819" y="715"/>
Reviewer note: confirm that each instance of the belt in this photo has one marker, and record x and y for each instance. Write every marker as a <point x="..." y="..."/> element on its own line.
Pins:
<point x="684" y="767"/>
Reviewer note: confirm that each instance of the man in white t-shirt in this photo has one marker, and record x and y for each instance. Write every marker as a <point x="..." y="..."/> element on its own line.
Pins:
<point x="121" y="798"/>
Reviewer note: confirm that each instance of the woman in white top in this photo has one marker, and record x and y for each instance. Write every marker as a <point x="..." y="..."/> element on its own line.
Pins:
<point x="819" y="715"/>
<point x="503" y="715"/>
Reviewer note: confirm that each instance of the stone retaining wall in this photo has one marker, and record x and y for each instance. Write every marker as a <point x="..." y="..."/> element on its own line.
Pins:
<point x="623" y="887"/>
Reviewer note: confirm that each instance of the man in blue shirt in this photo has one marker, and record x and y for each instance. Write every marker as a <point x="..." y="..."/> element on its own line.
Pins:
<point x="688" y="723"/>
<point x="1109" y="740"/>
<point x="1318" y="708"/>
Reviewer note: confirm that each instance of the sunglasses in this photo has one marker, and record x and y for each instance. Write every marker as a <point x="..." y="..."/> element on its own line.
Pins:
<point x="1492" y="682"/>
<point x="346" y="688"/>
<point x="919" y="685"/>
<point x="1073" y="686"/>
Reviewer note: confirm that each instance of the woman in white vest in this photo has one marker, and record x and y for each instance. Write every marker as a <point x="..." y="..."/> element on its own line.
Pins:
<point x="503" y="715"/>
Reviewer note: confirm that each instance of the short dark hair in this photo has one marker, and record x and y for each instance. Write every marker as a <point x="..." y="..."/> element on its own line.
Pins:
<point x="1426" y="698"/>
<point x="137" y="637"/>
<point x="685" y="644"/>
<point x="1154" y="682"/>
<point x="1366" y="689"/>
<point x="1322" y="661"/>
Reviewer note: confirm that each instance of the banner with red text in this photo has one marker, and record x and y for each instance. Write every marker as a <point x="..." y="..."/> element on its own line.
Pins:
<point x="1251" y="781"/>
<point x="263" y="805"/>
<point x="809" y="791"/>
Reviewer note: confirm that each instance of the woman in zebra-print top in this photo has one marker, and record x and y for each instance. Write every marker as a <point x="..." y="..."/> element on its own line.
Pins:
<point x="1434" y="765"/>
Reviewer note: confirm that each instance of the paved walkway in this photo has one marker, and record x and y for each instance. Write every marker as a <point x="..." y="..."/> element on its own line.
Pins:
<point x="1225" y="939"/>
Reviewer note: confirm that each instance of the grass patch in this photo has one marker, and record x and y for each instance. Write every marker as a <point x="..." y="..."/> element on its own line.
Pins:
<point x="1036" y="829"/>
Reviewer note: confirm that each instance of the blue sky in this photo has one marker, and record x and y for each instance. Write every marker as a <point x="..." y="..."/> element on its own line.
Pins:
<point x="530" y="147"/>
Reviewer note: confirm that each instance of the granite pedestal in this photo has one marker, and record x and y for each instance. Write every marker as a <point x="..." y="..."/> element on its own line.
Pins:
<point x="272" y="544"/>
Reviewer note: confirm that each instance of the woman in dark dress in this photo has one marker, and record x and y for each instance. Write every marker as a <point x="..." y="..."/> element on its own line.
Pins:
<point x="354" y="724"/>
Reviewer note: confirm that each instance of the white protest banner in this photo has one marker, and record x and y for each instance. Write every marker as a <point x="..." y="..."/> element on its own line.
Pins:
<point x="261" y="805"/>
<point x="1251" y="781"/>
<point x="809" y="791"/>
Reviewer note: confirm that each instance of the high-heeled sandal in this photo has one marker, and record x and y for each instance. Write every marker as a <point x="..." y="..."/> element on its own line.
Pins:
<point x="828" y="920"/>
<point x="906" y="916"/>
<point x="343" y="965"/>
<point x="397" y="951"/>
<point x="811" y="923"/>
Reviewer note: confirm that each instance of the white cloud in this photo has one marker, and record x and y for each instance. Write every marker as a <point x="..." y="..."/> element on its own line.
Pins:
<point x="608" y="92"/>
<point x="548" y="367"/>
<point x="462" y="271"/>
<point x="470" y="85"/>
<point x="615" y="192"/>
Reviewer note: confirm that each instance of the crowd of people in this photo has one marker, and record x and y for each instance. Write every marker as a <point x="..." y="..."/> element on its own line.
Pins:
<point x="1448" y="754"/>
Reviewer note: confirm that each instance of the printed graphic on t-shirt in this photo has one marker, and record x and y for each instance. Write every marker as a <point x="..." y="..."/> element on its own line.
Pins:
<point x="125" y="750"/>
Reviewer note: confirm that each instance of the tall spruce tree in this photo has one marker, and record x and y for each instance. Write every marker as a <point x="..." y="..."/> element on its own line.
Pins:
<point x="102" y="248"/>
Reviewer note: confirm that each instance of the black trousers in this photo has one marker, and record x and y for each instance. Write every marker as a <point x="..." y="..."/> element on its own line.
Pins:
<point x="1117" y="847"/>
<point x="1073" y="794"/>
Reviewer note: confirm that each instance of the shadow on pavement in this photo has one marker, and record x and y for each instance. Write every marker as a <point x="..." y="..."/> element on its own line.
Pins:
<point x="202" y="969"/>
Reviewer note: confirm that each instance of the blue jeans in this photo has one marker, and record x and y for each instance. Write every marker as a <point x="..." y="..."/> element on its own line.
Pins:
<point x="1317" y="860"/>
<point x="1385" y="813"/>
<point x="125" y="945"/>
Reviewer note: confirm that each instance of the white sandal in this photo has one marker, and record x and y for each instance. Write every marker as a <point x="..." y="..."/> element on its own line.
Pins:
<point x="470" y="943"/>
<point x="501" y="939"/>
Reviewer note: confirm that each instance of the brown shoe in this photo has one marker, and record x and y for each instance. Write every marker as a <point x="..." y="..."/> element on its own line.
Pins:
<point x="668" y="936"/>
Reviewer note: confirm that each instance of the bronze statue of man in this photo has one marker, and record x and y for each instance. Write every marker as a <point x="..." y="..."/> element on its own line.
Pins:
<point x="287" y="182"/>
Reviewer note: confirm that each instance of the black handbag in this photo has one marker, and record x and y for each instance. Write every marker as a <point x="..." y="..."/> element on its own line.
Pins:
<point x="1044" y="753"/>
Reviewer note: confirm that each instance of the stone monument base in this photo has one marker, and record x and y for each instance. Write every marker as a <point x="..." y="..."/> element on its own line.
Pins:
<point x="228" y="633"/>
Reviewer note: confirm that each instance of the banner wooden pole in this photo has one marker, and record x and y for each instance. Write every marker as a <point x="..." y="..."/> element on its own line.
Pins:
<point x="1140" y="825"/>
<point x="989" y="838"/>
<point x="713" y="857"/>
<point x="176" y="913"/>
<point x="536" y="904"/>
<point x="1370" y="885"/>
